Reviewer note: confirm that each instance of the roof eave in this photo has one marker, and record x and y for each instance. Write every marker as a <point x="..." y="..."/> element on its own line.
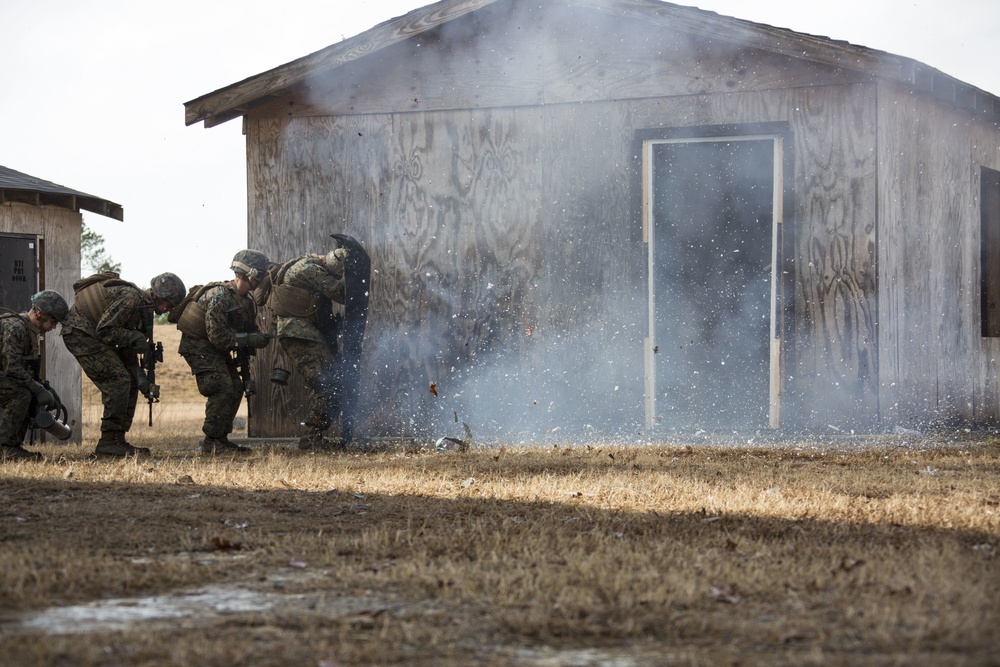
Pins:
<point x="239" y="98"/>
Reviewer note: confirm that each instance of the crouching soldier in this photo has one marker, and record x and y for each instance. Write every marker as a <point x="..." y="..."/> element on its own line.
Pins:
<point x="19" y="334"/>
<point x="106" y="331"/>
<point x="215" y="321"/>
<point x="302" y="295"/>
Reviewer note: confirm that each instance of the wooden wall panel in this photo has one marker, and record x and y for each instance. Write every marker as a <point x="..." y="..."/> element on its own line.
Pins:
<point x="938" y="364"/>
<point x="510" y="271"/>
<point x="985" y="144"/>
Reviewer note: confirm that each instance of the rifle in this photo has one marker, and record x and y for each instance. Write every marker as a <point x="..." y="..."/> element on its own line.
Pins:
<point x="148" y="361"/>
<point x="242" y="356"/>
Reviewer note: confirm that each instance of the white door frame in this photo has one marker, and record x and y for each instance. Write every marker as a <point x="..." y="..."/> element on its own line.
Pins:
<point x="777" y="210"/>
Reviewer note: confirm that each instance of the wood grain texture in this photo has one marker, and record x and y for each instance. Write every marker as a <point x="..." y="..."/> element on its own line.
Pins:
<point x="831" y="362"/>
<point x="938" y="366"/>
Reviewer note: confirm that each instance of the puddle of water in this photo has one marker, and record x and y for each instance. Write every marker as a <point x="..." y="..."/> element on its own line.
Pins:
<point x="120" y="614"/>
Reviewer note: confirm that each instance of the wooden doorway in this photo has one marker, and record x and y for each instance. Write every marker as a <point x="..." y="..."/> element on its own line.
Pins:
<point x="712" y="214"/>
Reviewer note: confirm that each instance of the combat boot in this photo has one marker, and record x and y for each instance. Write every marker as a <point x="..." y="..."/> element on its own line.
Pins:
<point x="112" y="443"/>
<point x="222" y="445"/>
<point x="18" y="453"/>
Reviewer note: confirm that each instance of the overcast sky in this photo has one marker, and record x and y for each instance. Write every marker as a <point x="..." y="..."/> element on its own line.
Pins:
<point x="93" y="94"/>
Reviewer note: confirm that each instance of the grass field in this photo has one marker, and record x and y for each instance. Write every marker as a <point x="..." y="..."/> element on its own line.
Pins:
<point x="874" y="552"/>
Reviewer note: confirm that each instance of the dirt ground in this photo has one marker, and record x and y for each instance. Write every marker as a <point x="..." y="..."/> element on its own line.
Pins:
<point x="837" y="552"/>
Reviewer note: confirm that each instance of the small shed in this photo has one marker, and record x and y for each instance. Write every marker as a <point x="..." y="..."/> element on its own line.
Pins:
<point x="618" y="218"/>
<point x="40" y="229"/>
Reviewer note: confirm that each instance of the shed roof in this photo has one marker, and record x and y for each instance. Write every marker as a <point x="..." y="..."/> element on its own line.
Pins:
<point x="16" y="186"/>
<point x="240" y="98"/>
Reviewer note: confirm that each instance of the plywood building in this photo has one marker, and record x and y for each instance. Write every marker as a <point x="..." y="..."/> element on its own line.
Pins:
<point x="40" y="230"/>
<point x="616" y="218"/>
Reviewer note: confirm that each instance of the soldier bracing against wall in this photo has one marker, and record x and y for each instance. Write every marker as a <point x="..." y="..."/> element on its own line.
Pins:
<point x="302" y="295"/>
<point x="218" y="334"/>
<point x="19" y="388"/>
<point x="106" y="330"/>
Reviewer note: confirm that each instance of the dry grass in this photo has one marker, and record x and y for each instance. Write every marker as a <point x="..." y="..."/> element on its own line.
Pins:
<point x="585" y="555"/>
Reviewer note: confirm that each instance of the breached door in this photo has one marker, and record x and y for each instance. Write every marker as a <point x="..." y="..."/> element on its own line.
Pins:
<point x="712" y="215"/>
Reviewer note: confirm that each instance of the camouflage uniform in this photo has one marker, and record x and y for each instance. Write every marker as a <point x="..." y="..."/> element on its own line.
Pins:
<point x="310" y="343"/>
<point x="18" y="340"/>
<point x="103" y="350"/>
<point x="208" y="352"/>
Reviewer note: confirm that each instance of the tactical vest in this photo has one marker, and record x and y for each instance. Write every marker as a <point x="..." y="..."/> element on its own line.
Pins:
<point x="289" y="301"/>
<point x="189" y="315"/>
<point x="90" y="295"/>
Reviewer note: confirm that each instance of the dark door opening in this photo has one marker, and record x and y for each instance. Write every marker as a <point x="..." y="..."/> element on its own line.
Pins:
<point x="18" y="271"/>
<point x="711" y="217"/>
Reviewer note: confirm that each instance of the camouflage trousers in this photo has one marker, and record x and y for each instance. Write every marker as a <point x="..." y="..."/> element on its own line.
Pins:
<point x="220" y="383"/>
<point x="317" y="365"/>
<point x="15" y="400"/>
<point x="113" y="372"/>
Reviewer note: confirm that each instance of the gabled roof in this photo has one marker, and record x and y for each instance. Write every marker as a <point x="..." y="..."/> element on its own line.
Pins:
<point x="19" y="187"/>
<point x="240" y="98"/>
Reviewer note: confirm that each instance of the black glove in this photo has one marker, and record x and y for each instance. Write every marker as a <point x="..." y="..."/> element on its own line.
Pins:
<point x="145" y="387"/>
<point x="137" y="341"/>
<point x="43" y="396"/>
<point x="256" y="340"/>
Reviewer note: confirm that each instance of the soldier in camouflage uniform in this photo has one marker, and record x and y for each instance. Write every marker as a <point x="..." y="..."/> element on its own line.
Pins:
<point x="217" y="319"/>
<point x="106" y="331"/>
<point x="302" y="295"/>
<point x="19" y="334"/>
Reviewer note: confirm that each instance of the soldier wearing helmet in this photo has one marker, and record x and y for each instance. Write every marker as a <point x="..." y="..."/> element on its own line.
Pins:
<point x="19" y="333"/>
<point x="306" y="297"/>
<point x="106" y="330"/>
<point x="218" y="320"/>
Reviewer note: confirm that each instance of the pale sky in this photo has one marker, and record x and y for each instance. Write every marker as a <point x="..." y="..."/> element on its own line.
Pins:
<point x="93" y="96"/>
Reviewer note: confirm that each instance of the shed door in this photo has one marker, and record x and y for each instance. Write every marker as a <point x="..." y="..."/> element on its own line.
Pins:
<point x="712" y="214"/>
<point x="18" y="271"/>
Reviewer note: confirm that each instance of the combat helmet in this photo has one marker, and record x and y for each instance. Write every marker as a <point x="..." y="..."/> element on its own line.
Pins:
<point x="49" y="302"/>
<point x="251" y="263"/>
<point x="334" y="261"/>
<point x="169" y="287"/>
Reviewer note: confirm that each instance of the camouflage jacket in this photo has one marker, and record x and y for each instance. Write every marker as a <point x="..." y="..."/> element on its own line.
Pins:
<point x="17" y="341"/>
<point x="310" y="273"/>
<point x="127" y="309"/>
<point x="226" y="314"/>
